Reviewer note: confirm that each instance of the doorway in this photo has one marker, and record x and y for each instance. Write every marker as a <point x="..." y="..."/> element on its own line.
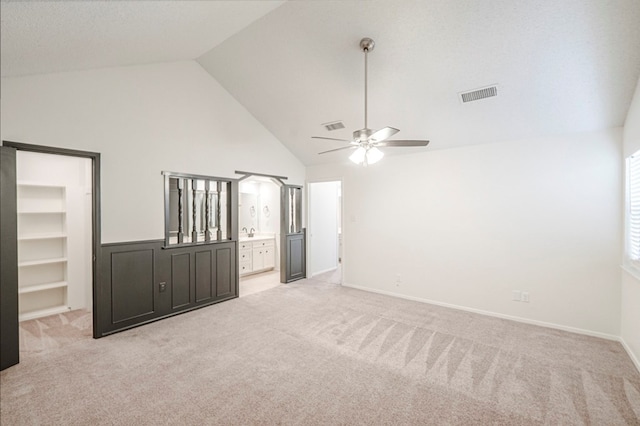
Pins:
<point x="259" y="224"/>
<point x="54" y="247"/>
<point x="325" y="231"/>
<point x="268" y="242"/>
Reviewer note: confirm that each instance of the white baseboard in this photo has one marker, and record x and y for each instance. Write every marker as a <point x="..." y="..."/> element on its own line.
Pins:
<point x="323" y="271"/>
<point x="633" y="356"/>
<point x="496" y="314"/>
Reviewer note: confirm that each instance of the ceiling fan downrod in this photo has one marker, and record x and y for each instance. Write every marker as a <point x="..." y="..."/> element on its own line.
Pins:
<point x="367" y="45"/>
<point x="365" y="141"/>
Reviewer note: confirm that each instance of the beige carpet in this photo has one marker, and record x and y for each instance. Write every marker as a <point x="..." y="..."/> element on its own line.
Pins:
<point x="252" y="284"/>
<point x="332" y="277"/>
<point x="55" y="331"/>
<point x="317" y="353"/>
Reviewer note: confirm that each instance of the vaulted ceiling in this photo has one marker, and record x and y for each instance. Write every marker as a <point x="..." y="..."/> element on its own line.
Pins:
<point x="560" y="66"/>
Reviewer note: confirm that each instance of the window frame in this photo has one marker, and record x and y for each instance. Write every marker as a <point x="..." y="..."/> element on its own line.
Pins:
<point x="632" y="213"/>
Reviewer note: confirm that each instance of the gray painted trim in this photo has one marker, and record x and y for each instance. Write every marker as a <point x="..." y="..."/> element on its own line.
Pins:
<point x="279" y="179"/>
<point x="9" y="328"/>
<point x="232" y="207"/>
<point x="192" y="176"/>
<point x="286" y="238"/>
<point x="96" y="217"/>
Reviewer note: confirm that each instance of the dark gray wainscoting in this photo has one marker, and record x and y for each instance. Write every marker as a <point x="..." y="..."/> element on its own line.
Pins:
<point x="293" y="264"/>
<point x="144" y="282"/>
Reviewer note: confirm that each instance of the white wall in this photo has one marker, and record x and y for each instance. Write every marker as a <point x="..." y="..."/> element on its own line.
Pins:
<point x="631" y="133"/>
<point x="323" y="226"/>
<point x="143" y="120"/>
<point x="467" y="226"/>
<point x="630" y="297"/>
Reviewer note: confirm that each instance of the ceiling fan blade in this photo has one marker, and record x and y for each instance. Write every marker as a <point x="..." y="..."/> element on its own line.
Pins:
<point x="403" y="143"/>
<point x="339" y="149"/>
<point x="383" y="134"/>
<point x="330" y="139"/>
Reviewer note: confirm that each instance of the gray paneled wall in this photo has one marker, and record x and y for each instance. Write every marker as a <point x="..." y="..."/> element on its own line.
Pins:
<point x="143" y="282"/>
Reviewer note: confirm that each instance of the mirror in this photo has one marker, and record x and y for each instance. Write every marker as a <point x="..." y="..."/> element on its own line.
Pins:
<point x="259" y="207"/>
<point x="196" y="209"/>
<point x="249" y="211"/>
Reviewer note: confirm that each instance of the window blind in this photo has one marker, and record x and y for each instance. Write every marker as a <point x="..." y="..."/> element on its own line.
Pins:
<point x="633" y="206"/>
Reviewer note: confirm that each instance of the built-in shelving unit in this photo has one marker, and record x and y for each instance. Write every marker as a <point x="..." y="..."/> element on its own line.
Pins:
<point x="42" y="250"/>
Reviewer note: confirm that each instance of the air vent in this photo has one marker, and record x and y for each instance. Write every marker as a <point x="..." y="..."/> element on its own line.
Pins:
<point x="335" y="125"/>
<point x="477" y="94"/>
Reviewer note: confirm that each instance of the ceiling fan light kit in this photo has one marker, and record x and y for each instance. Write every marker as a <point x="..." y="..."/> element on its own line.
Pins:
<point x="365" y="141"/>
<point x="366" y="156"/>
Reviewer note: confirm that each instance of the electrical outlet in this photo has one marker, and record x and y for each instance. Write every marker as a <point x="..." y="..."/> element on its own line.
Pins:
<point x="398" y="280"/>
<point x="525" y="297"/>
<point x="162" y="287"/>
<point x="516" y="295"/>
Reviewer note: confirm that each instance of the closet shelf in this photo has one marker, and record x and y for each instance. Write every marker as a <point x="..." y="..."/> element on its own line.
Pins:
<point x="42" y="236"/>
<point x="42" y="261"/>
<point x="41" y="287"/>
<point x="38" y="184"/>
<point x="43" y="312"/>
<point x="42" y="211"/>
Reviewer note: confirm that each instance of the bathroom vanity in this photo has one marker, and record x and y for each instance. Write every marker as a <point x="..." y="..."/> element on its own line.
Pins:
<point x="257" y="254"/>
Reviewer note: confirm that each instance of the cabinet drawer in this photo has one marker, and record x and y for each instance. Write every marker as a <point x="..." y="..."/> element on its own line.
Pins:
<point x="245" y="255"/>
<point x="245" y="246"/>
<point x="263" y="243"/>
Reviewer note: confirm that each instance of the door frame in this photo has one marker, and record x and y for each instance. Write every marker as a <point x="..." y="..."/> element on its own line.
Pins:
<point x="279" y="180"/>
<point x="96" y="240"/>
<point x="9" y="327"/>
<point x="341" y="256"/>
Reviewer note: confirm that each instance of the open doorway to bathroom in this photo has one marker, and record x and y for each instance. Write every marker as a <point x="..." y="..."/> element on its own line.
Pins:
<point x="259" y="222"/>
<point x="325" y="231"/>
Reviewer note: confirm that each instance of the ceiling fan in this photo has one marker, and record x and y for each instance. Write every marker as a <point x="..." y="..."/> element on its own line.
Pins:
<point x="366" y="141"/>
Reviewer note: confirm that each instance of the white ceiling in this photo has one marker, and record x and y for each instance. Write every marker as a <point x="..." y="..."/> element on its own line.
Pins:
<point x="561" y="66"/>
<point x="46" y="36"/>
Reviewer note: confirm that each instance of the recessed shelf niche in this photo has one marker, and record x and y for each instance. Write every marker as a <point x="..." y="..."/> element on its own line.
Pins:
<point x="42" y="250"/>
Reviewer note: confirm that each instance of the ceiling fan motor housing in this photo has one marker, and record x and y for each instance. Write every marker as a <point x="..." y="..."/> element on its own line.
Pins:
<point x="362" y="135"/>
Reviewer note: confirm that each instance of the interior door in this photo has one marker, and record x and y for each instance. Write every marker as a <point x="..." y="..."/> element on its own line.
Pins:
<point x="293" y="236"/>
<point x="9" y="337"/>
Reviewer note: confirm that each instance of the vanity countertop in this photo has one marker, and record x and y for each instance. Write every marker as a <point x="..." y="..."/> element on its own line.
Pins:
<point x="256" y="238"/>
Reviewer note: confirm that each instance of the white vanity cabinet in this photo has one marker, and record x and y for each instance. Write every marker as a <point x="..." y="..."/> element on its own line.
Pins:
<point x="257" y="256"/>
<point x="244" y="258"/>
